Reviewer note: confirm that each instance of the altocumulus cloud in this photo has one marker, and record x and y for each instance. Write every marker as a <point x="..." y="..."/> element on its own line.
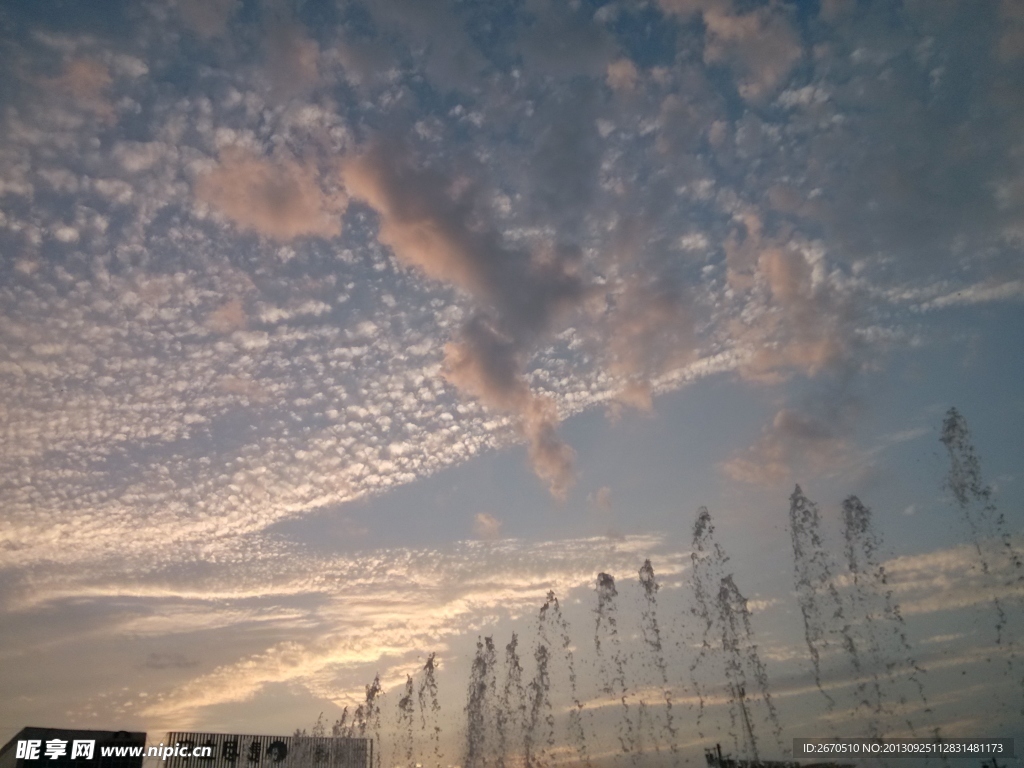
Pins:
<point x="453" y="311"/>
<point x="258" y="262"/>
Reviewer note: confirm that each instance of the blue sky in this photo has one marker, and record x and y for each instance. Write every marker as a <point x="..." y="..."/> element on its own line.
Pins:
<point x="336" y="334"/>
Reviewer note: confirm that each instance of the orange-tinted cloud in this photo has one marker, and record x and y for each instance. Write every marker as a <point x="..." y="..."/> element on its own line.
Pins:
<point x="432" y="225"/>
<point x="486" y="366"/>
<point x="486" y="527"/>
<point x="228" y="317"/>
<point x="761" y="47"/>
<point x="805" y="326"/>
<point x="88" y="82"/>
<point x="650" y="332"/>
<point x="793" y="440"/>
<point x="550" y="456"/>
<point x="635" y="394"/>
<point x="421" y="222"/>
<point x="622" y="75"/>
<point x="279" y="198"/>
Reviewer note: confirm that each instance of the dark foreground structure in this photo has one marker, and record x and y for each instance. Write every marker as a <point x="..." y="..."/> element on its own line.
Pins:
<point x="223" y="750"/>
<point x="37" y="742"/>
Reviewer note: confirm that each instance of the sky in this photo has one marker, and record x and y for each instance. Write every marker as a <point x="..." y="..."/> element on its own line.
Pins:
<point x="338" y="334"/>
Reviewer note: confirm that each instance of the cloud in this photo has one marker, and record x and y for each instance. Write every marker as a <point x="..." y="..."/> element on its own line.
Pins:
<point x="800" y="426"/>
<point x="688" y="116"/>
<point x="364" y="63"/>
<point x="384" y="608"/>
<point x="638" y="395"/>
<point x="437" y="34"/>
<point x="486" y="527"/>
<point x="562" y="176"/>
<point x="602" y="499"/>
<point x="207" y="18"/>
<point x="276" y="197"/>
<point x="952" y="579"/>
<point x="564" y="41"/>
<point x="795" y="439"/>
<point x="978" y="293"/>
<point x="484" y="365"/>
<point x="228" y="317"/>
<point x="376" y="610"/>
<point x="760" y="46"/>
<point x="622" y="75"/>
<point x="798" y="318"/>
<point x="432" y="226"/>
<point x="170" y="389"/>
<point x="1011" y="41"/>
<point x="88" y="82"/>
<point x="292" y="58"/>
<point x="650" y="331"/>
<point x="834" y="10"/>
<point x="689" y="7"/>
<point x="914" y="193"/>
<point x="551" y="458"/>
<point x="424" y="221"/>
<point x="169" y="661"/>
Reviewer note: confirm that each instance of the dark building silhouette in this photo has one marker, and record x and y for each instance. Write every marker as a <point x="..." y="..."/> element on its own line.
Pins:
<point x="222" y="750"/>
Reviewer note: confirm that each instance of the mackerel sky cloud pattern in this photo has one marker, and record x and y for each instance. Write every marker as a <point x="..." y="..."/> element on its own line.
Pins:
<point x="279" y="276"/>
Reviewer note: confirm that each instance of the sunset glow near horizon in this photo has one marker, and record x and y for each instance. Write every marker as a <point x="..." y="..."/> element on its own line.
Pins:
<point x="338" y="334"/>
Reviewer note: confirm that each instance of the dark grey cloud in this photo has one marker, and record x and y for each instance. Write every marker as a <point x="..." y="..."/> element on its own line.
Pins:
<point x="563" y="41"/>
<point x="169" y="661"/>
<point x="435" y="33"/>
<point x="433" y="225"/>
<point x="292" y="56"/>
